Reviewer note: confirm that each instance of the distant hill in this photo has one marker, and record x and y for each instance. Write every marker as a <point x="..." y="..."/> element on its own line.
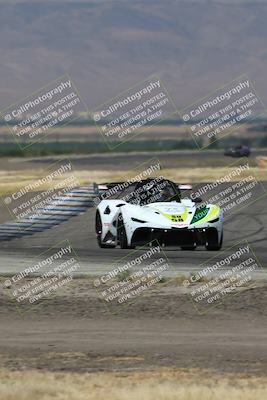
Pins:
<point x="107" y="46"/>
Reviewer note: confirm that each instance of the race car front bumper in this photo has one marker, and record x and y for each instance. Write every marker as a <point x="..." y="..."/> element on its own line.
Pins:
<point x="175" y="236"/>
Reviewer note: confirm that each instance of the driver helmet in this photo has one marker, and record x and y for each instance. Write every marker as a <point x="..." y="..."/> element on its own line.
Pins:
<point x="165" y="194"/>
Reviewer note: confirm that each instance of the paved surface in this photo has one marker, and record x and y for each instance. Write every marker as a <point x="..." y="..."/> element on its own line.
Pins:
<point x="122" y="161"/>
<point x="250" y="224"/>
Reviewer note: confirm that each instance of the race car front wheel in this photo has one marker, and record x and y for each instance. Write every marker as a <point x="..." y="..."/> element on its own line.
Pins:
<point x="122" y="237"/>
<point x="98" y="229"/>
<point x="213" y="242"/>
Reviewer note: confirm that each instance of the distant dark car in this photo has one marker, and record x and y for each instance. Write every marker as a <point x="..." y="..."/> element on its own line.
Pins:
<point x="237" y="151"/>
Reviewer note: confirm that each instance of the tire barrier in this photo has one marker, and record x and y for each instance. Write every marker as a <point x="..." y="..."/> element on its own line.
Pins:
<point x="61" y="209"/>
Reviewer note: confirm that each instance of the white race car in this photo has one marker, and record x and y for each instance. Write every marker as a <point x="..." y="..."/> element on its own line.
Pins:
<point x="152" y="210"/>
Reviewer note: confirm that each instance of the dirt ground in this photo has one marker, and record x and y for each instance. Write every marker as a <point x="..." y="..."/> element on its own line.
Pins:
<point x="74" y="331"/>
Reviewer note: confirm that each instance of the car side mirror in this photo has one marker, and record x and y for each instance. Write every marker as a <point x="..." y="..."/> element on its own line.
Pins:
<point x="197" y="200"/>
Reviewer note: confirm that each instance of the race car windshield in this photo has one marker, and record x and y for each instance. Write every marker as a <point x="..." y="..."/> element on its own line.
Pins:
<point x="148" y="192"/>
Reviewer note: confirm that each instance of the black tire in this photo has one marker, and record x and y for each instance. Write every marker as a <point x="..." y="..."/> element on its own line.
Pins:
<point x="98" y="230"/>
<point x="215" y="246"/>
<point x="188" y="248"/>
<point x="121" y="233"/>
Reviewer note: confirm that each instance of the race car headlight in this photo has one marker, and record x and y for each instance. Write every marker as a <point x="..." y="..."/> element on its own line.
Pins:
<point x="138" y="220"/>
<point x="214" y="220"/>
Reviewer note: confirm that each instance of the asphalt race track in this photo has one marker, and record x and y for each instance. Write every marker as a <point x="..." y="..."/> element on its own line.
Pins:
<point x="247" y="224"/>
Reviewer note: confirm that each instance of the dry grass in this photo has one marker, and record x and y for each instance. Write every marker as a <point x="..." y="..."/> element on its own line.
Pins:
<point x="12" y="181"/>
<point x="210" y="174"/>
<point x="90" y="132"/>
<point x="164" y="384"/>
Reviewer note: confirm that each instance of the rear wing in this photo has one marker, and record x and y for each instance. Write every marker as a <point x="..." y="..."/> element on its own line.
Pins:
<point x="107" y="186"/>
<point x="184" y="186"/>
